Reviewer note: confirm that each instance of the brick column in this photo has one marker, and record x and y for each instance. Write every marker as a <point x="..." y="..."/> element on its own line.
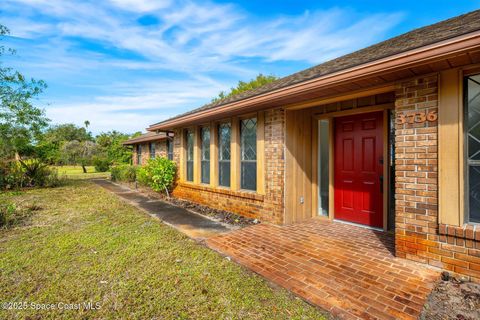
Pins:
<point x="416" y="178"/>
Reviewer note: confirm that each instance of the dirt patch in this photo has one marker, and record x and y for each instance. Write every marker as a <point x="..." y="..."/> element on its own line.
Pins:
<point x="219" y="215"/>
<point x="453" y="299"/>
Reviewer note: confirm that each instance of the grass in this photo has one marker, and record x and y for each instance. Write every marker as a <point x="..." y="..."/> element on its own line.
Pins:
<point x="85" y="244"/>
<point x="76" y="172"/>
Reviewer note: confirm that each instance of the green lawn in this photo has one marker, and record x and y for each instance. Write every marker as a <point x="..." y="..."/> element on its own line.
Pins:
<point x="76" y="172"/>
<point x="84" y="244"/>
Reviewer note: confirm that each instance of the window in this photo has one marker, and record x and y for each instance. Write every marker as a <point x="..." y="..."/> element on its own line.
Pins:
<point x="205" y="169"/>
<point x="248" y="140"/>
<point x="224" y="137"/>
<point x="139" y="154"/>
<point x="323" y="167"/>
<point x="189" y="140"/>
<point x="472" y="103"/>
<point x="151" y="147"/>
<point x="170" y="149"/>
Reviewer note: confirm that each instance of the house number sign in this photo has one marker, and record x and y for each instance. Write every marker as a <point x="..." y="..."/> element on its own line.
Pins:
<point x="416" y="117"/>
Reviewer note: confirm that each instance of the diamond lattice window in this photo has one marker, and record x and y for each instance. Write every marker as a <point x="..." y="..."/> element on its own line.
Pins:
<point x="224" y="154"/>
<point x="248" y="137"/>
<point x="472" y="97"/>
<point x="189" y="138"/>
<point x="205" y="136"/>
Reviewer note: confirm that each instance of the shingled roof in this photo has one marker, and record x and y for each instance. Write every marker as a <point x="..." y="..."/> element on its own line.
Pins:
<point x="146" y="137"/>
<point x="414" y="39"/>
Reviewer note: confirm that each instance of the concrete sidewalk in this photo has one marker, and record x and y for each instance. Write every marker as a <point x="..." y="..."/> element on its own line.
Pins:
<point x="192" y="224"/>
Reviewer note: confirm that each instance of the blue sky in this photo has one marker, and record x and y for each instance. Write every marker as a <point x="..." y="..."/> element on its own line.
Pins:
<point x="124" y="64"/>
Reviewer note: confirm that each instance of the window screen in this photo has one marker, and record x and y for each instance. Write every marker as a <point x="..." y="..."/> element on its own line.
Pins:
<point x="205" y="137"/>
<point x="224" y="137"/>
<point x="248" y="138"/>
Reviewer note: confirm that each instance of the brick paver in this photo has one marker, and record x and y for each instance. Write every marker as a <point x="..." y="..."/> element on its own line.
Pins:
<point x="348" y="270"/>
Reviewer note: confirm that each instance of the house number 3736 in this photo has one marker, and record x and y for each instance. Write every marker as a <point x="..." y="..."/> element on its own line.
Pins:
<point x="416" y="117"/>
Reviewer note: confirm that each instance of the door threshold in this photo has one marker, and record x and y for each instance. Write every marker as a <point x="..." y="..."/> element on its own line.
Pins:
<point x="359" y="225"/>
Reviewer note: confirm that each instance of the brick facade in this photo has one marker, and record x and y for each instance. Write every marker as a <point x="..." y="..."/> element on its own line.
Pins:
<point x="160" y="151"/>
<point x="268" y="207"/>
<point x="419" y="236"/>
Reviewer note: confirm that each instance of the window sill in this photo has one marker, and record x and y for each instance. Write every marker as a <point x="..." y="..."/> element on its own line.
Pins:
<point x="245" y="194"/>
<point x="468" y="231"/>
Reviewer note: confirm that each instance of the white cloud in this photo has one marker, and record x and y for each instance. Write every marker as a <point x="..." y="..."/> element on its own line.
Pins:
<point x="195" y="39"/>
<point x="137" y="105"/>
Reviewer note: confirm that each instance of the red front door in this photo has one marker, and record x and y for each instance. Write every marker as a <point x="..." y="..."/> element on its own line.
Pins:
<point x="359" y="168"/>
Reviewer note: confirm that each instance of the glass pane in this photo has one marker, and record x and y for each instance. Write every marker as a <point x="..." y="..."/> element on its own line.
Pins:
<point x="249" y="175"/>
<point x="473" y="146"/>
<point x="323" y="163"/>
<point x="189" y="145"/>
<point x="248" y="131"/>
<point x="189" y="170"/>
<point x="224" y="173"/>
<point x="205" y="143"/>
<point x="189" y="137"/>
<point x="473" y="102"/>
<point x="205" y="171"/>
<point x="152" y="150"/>
<point x="224" y="136"/>
<point x="170" y="149"/>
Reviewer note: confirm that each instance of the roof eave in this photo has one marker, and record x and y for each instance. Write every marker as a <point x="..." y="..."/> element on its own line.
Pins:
<point x="416" y="56"/>
<point x="132" y="142"/>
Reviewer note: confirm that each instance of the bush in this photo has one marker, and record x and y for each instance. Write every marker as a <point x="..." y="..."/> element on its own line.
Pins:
<point x="101" y="164"/>
<point x="124" y="173"/>
<point x="7" y="212"/>
<point x="27" y="173"/>
<point x="158" y="174"/>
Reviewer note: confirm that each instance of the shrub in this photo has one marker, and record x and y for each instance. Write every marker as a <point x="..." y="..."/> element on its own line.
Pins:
<point x="27" y="173"/>
<point x="7" y="212"/>
<point x="124" y="173"/>
<point x="159" y="174"/>
<point x="101" y="164"/>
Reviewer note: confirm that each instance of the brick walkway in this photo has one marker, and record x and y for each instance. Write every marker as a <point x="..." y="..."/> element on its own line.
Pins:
<point x="349" y="271"/>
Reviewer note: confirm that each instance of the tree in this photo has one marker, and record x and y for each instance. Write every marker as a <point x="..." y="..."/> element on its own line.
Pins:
<point x="20" y="121"/>
<point x="79" y="152"/>
<point x="110" y="146"/>
<point x="50" y="142"/>
<point x="87" y="124"/>
<point x="242" y="86"/>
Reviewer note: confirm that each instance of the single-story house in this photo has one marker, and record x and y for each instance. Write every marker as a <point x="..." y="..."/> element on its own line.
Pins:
<point x="387" y="137"/>
<point x="151" y="145"/>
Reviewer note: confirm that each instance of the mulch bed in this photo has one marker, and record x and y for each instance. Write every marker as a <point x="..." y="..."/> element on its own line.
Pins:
<point x="219" y="215"/>
<point x="453" y="299"/>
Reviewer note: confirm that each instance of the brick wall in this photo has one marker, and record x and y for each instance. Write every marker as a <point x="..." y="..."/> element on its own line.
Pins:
<point x="160" y="151"/>
<point x="418" y="235"/>
<point x="268" y="207"/>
